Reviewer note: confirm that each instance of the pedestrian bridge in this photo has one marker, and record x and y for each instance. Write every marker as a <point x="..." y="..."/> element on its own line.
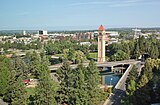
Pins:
<point x="99" y="65"/>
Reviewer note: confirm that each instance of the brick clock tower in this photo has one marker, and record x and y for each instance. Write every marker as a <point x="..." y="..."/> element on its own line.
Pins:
<point x="102" y="38"/>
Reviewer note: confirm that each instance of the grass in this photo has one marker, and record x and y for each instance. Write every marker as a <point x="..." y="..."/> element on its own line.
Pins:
<point x="59" y="55"/>
<point x="93" y="55"/>
<point x="30" y="91"/>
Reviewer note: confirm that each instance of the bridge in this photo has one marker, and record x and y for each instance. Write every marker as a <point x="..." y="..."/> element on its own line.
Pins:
<point x="99" y="65"/>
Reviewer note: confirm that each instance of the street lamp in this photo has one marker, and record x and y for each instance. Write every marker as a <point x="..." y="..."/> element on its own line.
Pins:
<point x="111" y="82"/>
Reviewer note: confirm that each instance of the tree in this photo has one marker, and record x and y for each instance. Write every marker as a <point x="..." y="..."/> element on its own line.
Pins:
<point x="137" y="51"/>
<point x="131" y="87"/>
<point x="4" y="74"/>
<point x="81" y="95"/>
<point x="93" y="47"/>
<point x="119" y="55"/>
<point x="92" y="80"/>
<point x="125" y="47"/>
<point x="45" y="90"/>
<point x="133" y="74"/>
<point x="143" y="81"/>
<point x="147" y="70"/>
<point x="154" y="53"/>
<point x="66" y="77"/>
<point x="16" y="93"/>
<point x="33" y="60"/>
<point x="79" y="57"/>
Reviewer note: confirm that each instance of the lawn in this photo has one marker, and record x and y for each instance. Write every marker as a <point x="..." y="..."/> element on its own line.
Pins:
<point x="30" y="91"/>
<point x="93" y="55"/>
<point x="59" y="55"/>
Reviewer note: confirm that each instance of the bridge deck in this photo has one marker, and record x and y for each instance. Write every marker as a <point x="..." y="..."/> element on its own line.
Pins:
<point x="104" y="64"/>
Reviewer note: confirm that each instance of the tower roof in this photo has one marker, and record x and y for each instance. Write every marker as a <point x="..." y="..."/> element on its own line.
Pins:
<point x="101" y="28"/>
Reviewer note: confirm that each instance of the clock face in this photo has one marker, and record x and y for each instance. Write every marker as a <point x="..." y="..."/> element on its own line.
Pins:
<point x="100" y="33"/>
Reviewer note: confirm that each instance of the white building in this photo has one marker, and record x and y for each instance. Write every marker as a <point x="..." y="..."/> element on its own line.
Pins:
<point x="113" y="36"/>
<point x="42" y="32"/>
<point x="24" y="32"/>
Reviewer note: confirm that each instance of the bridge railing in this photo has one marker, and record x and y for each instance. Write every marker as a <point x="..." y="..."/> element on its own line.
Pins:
<point x="122" y="79"/>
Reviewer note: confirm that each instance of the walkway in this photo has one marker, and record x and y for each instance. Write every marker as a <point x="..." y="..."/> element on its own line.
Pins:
<point x="119" y="90"/>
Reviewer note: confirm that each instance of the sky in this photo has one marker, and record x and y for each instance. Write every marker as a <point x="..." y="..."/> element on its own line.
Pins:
<point x="78" y="14"/>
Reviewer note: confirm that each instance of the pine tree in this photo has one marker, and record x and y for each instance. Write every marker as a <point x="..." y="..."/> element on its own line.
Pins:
<point x="92" y="79"/>
<point x="16" y="93"/>
<point x="154" y="53"/>
<point x="81" y="95"/>
<point x="137" y="51"/>
<point x="65" y="92"/>
<point x="4" y="74"/>
<point x="33" y="61"/>
<point x="45" y="90"/>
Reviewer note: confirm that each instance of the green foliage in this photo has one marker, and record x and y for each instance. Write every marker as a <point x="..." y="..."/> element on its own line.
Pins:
<point x="16" y="93"/>
<point x="136" y="51"/>
<point x="45" y="90"/>
<point x="21" y="45"/>
<point x="92" y="79"/>
<point x="131" y="86"/>
<point x="140" y="90"/>
<point x="154" y="53"/>
<point x="93" y="47"/>
<point x="93" y="55"/>
<point x="33" y="61"/>
<point x="4" y="74"/>
<point x="119" y="55"/>
<point x="79" y="57"/>
<point x="79" y="86"/>
<point x="66" y="77"/>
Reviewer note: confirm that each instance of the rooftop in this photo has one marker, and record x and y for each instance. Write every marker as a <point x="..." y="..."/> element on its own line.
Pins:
<point x="101" y="28"/>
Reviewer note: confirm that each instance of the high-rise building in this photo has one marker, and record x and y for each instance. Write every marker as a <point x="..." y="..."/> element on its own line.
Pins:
<point x="42" y="32"/>
<point x="24" y="32"/>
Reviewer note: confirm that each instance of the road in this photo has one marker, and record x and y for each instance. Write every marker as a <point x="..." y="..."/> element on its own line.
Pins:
<point x="118" y="93"/>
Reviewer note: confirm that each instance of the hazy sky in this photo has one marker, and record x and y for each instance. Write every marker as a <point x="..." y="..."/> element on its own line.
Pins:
<point x="78" y="14"/>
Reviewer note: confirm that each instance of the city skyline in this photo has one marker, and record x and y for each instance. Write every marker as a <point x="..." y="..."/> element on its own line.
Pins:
<point x="83" y="14"/>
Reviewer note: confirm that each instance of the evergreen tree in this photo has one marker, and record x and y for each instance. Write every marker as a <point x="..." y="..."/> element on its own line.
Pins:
<point x="147" y="70"/>
<point x="92" y="80"/>
<point x="45" y="90"/>
<point x="137" y="51"/>
<point x="81" y="95"/>
<point x="65" y="92"/>
<point x="16" y="93"/>
<point x="133" y="74"/>
<point x="131" y="86"/>
<point x="33" y="61"/>
<point x="154" y="53"/>
<point x="143" y="81"/>
<point x="4" y="74"/>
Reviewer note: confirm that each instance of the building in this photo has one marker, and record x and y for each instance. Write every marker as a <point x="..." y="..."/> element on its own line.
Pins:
<point x="24" y="32"/>
<point x="42" y="32"/>
<point x="102" y="38"/>
<point x="137" y="33"/>
<point x="113" y="36"/>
